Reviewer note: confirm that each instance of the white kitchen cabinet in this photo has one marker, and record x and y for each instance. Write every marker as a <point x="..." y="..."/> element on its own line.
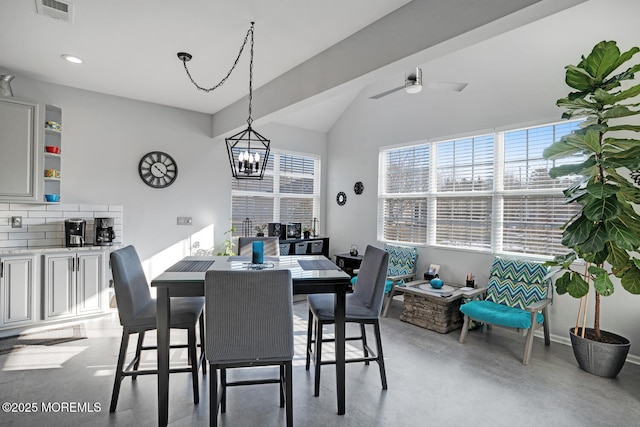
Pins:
<point x="21" y="172"/>
<point x="89" y="282"/>
<point x="73" y="284"/>
<point x="17" y="290"/>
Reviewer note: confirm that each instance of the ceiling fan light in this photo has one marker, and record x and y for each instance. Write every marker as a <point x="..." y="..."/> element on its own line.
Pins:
<point x="71" y="58"/>
<point x="413" y="88"/>
<point x="413" y="83"/>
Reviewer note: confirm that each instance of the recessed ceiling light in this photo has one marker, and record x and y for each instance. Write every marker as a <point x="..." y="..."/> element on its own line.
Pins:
<point x="71" y="58"/>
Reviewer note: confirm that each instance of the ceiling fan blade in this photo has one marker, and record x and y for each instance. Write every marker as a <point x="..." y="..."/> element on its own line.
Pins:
<point x="385" y="93"/>
<point x="450" y="86"/>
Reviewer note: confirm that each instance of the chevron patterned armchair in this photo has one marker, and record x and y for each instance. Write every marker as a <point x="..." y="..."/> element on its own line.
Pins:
<point x="517" y="297"/>
<point x="402" y="268"/>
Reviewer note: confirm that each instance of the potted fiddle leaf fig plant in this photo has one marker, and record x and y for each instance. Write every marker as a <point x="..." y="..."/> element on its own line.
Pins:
<point x="605" y="233"/>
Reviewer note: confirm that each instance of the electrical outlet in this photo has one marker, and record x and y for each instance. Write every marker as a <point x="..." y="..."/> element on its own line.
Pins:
<point x="185" y="220"/>
<point x="16" y="222"/>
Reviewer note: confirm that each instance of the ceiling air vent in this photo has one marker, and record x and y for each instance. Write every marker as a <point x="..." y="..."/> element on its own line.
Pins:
<point x="55" y="9"/>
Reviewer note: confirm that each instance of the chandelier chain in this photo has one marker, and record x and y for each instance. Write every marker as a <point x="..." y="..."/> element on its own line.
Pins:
<point x="235" y="63"/>
<point x="249" y="119"/>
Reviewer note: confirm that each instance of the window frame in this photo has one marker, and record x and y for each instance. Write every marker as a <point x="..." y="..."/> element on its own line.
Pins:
<point x="497" y="194"/>
<point x="274" y="173"/>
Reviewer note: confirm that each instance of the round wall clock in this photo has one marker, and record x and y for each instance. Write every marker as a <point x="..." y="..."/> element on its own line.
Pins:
<point x="158" y="169"/>
<point x="358" y="188"/>
<point x="341" y="198"/>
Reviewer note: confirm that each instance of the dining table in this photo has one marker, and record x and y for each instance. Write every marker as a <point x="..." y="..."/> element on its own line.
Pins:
<point x="310" y="273"/>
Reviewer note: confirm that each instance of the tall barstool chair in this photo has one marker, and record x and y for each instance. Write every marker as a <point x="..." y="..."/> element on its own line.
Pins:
<point x="137" y="312"/>
<point x="363" y="306"/>
<point x="249" y="323"/>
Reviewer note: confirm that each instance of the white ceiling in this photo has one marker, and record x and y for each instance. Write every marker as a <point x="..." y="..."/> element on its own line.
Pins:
<point x="129" y="48"/>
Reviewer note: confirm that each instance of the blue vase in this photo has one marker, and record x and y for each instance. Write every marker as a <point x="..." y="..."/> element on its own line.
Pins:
<point x="257" y="257"/>
<point x="436" y="283"/>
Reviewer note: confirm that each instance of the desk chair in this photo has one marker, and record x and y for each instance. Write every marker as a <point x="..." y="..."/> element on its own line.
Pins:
<point x="249" y="323"/>
<point x="137" y="312"/>
<point x="271" y="245"/>
<point x="363" y="306"/>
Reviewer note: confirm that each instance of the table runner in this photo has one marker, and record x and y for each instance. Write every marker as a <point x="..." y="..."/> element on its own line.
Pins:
<point x="317" y="264"/>
<point x="248" y="258"/>
<point x="190" y="266"/>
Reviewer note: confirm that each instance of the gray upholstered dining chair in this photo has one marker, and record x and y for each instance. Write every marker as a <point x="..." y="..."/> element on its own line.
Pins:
<point x="249" y="323"/>
<point x="137" y="312"/>
<point x="271" y="245"/>
<point x="363" y="306"/>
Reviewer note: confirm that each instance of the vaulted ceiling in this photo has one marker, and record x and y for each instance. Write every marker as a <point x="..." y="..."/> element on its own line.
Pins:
<point x="311" y="57"/>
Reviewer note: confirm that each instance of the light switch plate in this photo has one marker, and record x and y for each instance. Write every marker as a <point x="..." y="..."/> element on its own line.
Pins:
<point x="16" y="222"/>
<point x="185" y="220"/>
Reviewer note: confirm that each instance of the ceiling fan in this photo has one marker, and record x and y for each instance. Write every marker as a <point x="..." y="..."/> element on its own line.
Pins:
<point x="413" y="84"/>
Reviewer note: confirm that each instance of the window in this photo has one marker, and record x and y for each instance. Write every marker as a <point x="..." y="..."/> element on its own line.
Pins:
<point x="289" y="192"/>
<point x="464" y="170"/>
<point x="533" y="208"/>
<point x="403" y="202"/>
<point x="489" y="192"/>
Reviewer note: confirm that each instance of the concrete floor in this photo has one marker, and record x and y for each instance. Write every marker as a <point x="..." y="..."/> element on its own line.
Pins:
<point x="433" y="381"/>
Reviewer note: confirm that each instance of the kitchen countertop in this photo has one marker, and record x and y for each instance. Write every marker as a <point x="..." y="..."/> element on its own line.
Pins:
<point x="51" y="249"/>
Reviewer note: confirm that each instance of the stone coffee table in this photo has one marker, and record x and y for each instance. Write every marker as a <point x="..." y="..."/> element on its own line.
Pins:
<point x="434" y="309"/>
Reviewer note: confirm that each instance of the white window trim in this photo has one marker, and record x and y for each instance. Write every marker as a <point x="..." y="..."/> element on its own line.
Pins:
<point x="497" y="194"/>
<point x="276" y="195"/>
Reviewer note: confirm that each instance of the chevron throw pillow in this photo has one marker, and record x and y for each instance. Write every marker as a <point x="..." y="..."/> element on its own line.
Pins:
<point x="517" y="283"/>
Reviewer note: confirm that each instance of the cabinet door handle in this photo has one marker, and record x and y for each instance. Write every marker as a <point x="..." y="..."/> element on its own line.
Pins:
<point x="73" y="264"/>
<point x="1" y="269"/>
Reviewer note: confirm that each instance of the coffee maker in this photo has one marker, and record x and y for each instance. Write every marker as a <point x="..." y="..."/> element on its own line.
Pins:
<point x="74" y="230"/>
<point x="103" y="234"/>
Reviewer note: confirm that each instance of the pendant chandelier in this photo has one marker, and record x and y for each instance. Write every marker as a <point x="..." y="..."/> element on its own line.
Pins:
<point x="248" y="150"/>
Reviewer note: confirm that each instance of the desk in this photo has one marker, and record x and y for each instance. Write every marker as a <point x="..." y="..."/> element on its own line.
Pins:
<point x="175" y="284"/>
<point x="425" y="307"/>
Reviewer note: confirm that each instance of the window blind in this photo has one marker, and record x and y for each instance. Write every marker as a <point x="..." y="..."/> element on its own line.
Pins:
<point x="487" y="192"/>
<point x="289" y="192"/>
<point x="403" y="216"/>
<point x="464" y="222"/>
<point x="532" y="212"/>
<point x="406" y="170"/>
<point x="296" y="210"/>
<point x="524" y="165"/>
<point x="258" y="209"/>
<point x="531" y="224"/>
<point x="465" y="165"/>
<point x="404" y="220"/>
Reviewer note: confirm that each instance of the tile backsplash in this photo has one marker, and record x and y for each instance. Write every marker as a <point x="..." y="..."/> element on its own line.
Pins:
<point x="43" y="225"/>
